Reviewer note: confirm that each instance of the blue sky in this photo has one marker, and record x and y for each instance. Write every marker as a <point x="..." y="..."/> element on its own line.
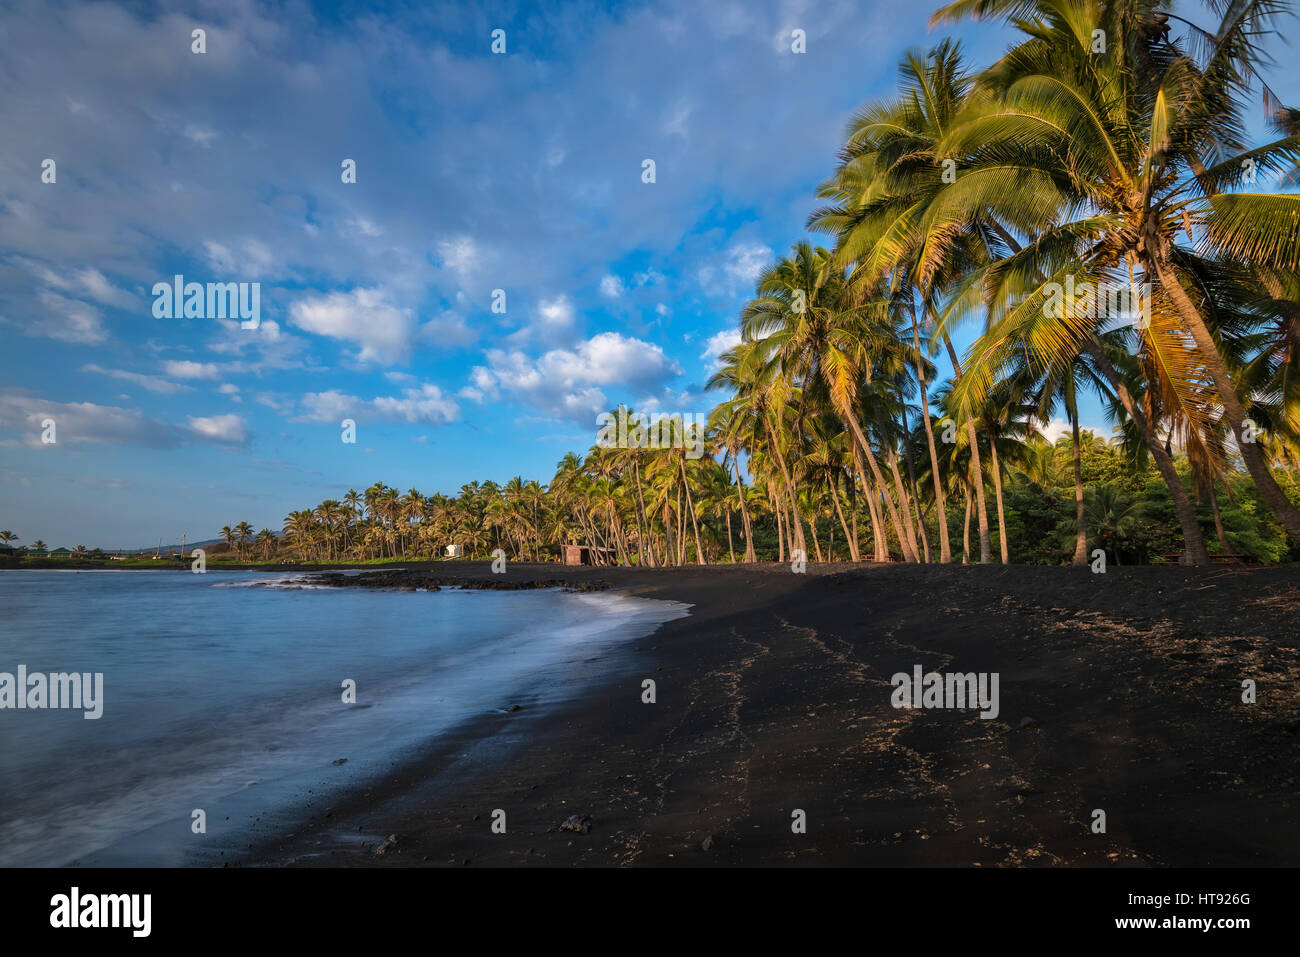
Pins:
<point x="475" y="172"/>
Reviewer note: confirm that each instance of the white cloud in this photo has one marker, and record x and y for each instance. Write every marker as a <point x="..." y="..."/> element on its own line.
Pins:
<point x="363" y="317"/>
<point x="573" y="383"/>
<point x="185" y="369"/>
<point x="556" y="313"/>
<point x="717" y="344"/>
<point x="68" y="320"/>
<point x="249" y="258"/>
<point x="460" y="255"/>
<point x="227" y="429"/>
<point x="78" y="422"/>
<point x="675" y="122"/>
<point x="150" y="382"/>
<point x="81" y="282"/>
<point x="423" y="405"/>
<point x="1059" y="427"/>
<point x="612" y="287"/>
<point x="746" y="261"/>
<point x="200" y="135"/>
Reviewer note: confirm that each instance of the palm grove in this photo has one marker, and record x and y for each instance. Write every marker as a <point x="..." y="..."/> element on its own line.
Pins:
<point x="1106" y="148"/>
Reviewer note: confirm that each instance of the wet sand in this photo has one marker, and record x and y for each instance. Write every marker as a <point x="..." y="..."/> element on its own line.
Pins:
<point x="1120" y="692"/>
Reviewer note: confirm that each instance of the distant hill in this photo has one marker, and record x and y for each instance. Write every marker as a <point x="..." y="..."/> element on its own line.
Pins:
<point x="208" y="543"/>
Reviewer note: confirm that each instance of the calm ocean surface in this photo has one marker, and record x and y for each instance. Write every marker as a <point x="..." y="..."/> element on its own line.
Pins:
<point x="222" y="692"/>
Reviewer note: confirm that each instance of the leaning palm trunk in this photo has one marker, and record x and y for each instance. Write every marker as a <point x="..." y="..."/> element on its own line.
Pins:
<point x="1287" y="514"/>
<point x="699" y="552"/>
<point x="748" y="528"/>
<point x="982" y="511"/>
<point x="869" y="494"/>
<point x="965" y="535"/>
<point x="681" y="531"/>
<point x="881" y="486"/>
<point x="913" y="491"/>
<point x="817" y="545"/>
<point x="642" y="521"/>
<point x="891" y="459"/>
<point x="945" y="549"/>
<point x="1081" y="528"/>
<point x="1194" y="552"/>
<point x="780" y="534"/>
<point x="997" y="492"/>
<point x="1218" y="522"/>
<point x="797" y="539"/>
<point x="839" y="512"/>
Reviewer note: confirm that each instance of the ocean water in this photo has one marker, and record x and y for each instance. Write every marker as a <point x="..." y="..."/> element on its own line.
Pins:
<point x="223" y="692"/>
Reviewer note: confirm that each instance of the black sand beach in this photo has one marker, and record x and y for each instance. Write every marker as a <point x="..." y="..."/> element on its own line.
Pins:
<point x="1118" y="691"/>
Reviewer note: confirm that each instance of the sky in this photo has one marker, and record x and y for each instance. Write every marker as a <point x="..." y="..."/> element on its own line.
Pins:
<point x="475" y="172"/>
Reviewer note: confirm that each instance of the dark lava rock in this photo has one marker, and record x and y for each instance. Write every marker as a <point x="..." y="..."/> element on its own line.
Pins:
<point x="577" y="822"/>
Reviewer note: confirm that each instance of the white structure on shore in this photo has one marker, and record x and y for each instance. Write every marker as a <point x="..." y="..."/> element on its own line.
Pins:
<point x="453" y="551"/>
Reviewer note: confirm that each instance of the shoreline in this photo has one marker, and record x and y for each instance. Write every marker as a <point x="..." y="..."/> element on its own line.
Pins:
<point x="1118" y="691"/>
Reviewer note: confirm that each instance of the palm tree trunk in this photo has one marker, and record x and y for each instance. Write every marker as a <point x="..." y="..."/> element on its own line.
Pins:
<point x="891" y="459"/>
<point x="965" y="536"/>
<point x="879" y="536"/>
<point x="668" y="532"/>
<point x="982" y="511"/>
<point x="881" y="486"/>
<point x="1218" y="522"/>
<point x="835" y="497"/>
<point x="913" y="492"/>
<point x="642" y="520"/>
<point x="997" y="491"/>
<point x="1287" y="514"/>
<point x="797" y="540"/>
<point x="1194" y="552"/>
<point x="686" y="483"/>
<point x="853" y="517"/>
<point x="780" y="535"/>
<point x="1080" y="524"/>
<point x="945" y="549"/>
<point x="750" y="555"/>
<point x="731" y="548"/>
<point x="681" y="531"/>
<point x="817" y="545"/>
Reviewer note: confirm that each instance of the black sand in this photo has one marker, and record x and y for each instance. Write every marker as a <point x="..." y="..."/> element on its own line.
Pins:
<point x="1119" y="691"/>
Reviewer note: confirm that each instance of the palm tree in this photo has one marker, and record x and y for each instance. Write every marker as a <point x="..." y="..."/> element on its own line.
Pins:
<point x="266" y="543"/>
<point x="1109" y="155"/>
<point x="763" y="393"/>
<point x="1113" y="519"/>
<point x="731" y="433"/>
<point x="244" y="534"/>
<point x="7" y="536"/>
<point x="890" y="190"/>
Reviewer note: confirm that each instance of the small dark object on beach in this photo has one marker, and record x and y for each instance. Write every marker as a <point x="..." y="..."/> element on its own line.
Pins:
<point x="577" y="822"/>
<point x="513" y="708"/>
<point x="707" y="844"/>
<point x="388" y="845"/>
<point x="338" y="761"/>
